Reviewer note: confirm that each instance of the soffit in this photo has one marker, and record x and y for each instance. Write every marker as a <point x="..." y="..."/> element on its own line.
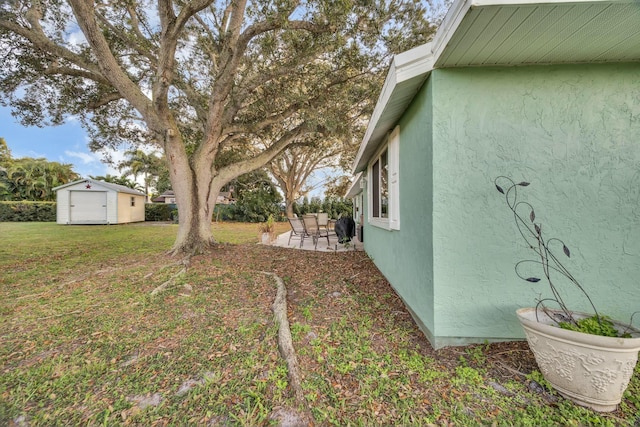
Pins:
<point x="506" y="33"/>
<point x="553" y="32"/>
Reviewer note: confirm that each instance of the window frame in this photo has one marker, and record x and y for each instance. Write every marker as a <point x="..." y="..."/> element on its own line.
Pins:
<point x="375" y="184"/>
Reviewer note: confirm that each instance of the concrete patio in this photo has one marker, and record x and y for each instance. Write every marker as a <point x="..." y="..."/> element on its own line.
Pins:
<point x="333" y="246"/>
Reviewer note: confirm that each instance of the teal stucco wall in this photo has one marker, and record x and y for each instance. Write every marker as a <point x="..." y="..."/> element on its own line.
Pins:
<point x="405" y="256"/>
<point x="574" y="133"/>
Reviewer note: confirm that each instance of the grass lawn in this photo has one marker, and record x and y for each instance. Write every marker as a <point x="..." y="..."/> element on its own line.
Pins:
<point x="83" y="342"/>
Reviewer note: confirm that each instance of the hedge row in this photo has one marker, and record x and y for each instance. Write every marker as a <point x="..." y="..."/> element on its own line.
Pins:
<point x="27" y="211"/>
<point x="160" y="212"/>
<point x="46" y="212"/>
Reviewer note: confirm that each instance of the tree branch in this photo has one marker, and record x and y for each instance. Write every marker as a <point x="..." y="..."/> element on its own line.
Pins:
<point x="76" y="72"/>
<point x="234" y="170"/>
<point x="104" y="100"/>
<point x="41" y="42"/>
<point x="136" y="45"/>
<point x="109" y="66"/>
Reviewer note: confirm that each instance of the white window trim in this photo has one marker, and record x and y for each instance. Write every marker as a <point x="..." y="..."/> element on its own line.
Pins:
<point x="392" y="145"/>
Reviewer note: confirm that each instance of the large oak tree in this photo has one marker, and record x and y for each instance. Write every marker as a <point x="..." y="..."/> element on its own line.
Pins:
<point x="221" y="86"/>
<point x="293" y="168"/>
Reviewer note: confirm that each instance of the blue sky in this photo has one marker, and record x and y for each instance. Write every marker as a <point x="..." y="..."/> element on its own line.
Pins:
<point x="65" y="144"/>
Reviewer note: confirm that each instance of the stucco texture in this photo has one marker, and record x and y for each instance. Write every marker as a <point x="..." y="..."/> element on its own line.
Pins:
<point x="573" y="132"/>
<point x="405" y="256"/>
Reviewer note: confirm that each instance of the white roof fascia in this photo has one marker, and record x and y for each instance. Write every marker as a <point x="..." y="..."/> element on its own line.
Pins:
<point x="452" y="19"/>
<point x="405" y="66"/>
<point x="354" y="188"/>
<point x="413" y="62"/>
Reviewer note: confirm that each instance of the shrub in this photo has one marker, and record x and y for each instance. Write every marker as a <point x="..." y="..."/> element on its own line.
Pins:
<point x="26" y="211"/>
<point x="160" y="212"/>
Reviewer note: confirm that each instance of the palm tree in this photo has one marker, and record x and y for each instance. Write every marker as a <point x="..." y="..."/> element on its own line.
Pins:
<point x="34" y="179"/>
<point x="120" y="180"/>
<point x="140" y="163"/>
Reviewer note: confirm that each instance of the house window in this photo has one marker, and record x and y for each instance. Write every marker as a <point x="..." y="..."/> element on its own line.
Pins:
<point x="133" y="201"/>
<point x="380" y="191"/>
<point x="384" y="185"/>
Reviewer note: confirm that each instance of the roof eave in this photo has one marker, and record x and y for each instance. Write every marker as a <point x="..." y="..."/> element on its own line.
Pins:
<point x="410" y="69"/>
<point x="108" y="185"/>
<point x="355" y="188"/>
<point x="407" y="72"/>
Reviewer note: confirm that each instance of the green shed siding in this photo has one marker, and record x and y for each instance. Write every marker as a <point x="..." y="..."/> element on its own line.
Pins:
<point x="574" y="132"/>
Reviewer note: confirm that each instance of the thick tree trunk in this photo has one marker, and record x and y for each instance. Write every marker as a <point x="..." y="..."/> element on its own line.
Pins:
<point x="195" y="197"/>
<point x="289" y="205"/>
<point x="194" y="228"/>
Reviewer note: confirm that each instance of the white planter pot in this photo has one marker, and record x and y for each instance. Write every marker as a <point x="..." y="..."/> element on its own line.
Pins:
<point x="591" y="370"/>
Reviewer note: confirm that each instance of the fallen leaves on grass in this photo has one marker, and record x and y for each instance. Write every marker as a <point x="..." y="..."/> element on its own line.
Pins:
<point x="212" y="357"/>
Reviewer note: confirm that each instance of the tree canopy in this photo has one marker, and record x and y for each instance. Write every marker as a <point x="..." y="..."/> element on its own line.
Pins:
<point x="293" y="168"/>
<point x="205" y="81"/>
<point x="31" y="179"/>
<point x="120" y="180"/>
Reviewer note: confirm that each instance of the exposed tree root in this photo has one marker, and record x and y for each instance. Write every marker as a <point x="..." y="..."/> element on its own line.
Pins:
<point x="285" y="345"/>
<point x="189" y="250"/>
<point x="163" y="287"/>
<point x="184" y="262"/>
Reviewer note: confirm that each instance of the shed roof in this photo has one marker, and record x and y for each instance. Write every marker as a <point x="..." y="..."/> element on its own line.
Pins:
<point x="506" y="33"/>
<point x="115" y="187"/>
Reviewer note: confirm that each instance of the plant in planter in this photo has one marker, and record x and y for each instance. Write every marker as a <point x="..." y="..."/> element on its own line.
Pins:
<point x="588" y="358"/>
<point x="267" y="230"/>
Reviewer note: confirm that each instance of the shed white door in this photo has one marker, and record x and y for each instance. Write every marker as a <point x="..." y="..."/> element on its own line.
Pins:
<point x="88" y="206"/>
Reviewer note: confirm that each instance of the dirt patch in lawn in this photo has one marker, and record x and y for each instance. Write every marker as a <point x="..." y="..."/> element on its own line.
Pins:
<point x="323" y="287"/>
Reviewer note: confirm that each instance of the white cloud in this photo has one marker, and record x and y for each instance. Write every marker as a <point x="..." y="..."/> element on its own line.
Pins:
<point x="77" y="38"/>
<point x="101" y="163"/>
<point x="86" y="158"/>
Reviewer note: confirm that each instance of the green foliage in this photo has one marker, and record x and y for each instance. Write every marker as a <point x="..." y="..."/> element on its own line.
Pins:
<point x="150" y="166"/>
<point x="32" y="179"/>
<point x="336" y="207"/>
<point x="595" y="325"/>
<point x="467" y="376"/>
<point x="5" y="152"/>
<point x="256" y="198"/>
<point x="120" y="180"/>
<point x="256" y="206"/>
<point x="223" y="212"/>
<point x="338" y="186"/>
<point x="268" y="226"/>
<point x="159" y="211"/>
<point x="27" y="211"/>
